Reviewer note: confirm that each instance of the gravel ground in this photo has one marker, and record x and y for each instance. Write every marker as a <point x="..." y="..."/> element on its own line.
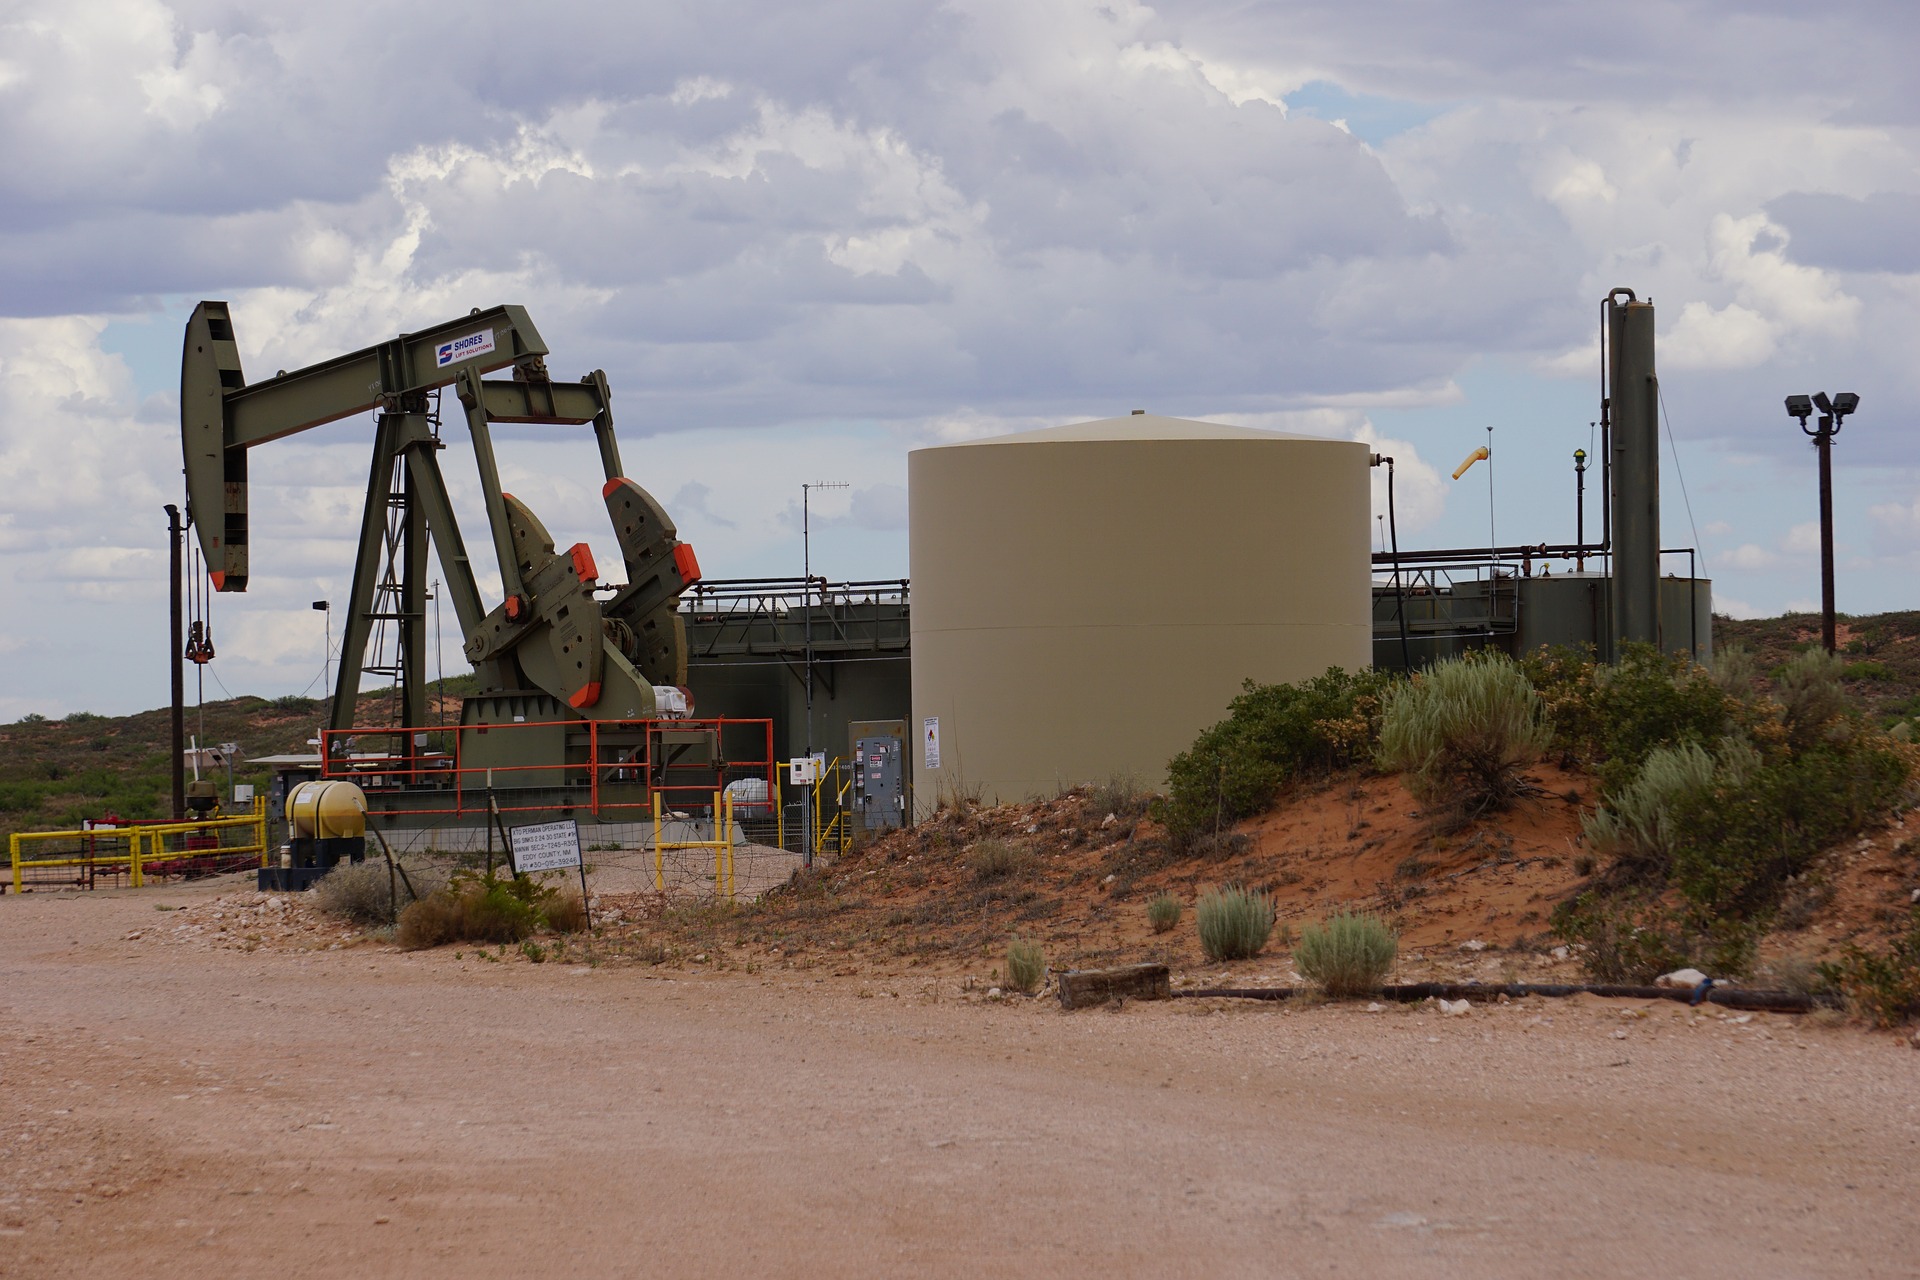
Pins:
<point x="202" y="1110"/>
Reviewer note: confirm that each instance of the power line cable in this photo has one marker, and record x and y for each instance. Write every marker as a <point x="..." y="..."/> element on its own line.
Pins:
<point x="1680" y="475"/>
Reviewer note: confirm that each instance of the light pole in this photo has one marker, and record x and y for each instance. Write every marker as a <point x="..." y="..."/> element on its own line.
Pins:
<point x="806" y="569"/>
<point x="228" y="750"/>
<point x="806" y="562"/>
<point x="1833" y="412"/>
<point x="1580" y="508"/>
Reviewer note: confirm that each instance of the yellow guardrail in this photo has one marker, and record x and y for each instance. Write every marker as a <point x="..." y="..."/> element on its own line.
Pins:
<point x="144" y="845"/>
<point x="829" y="825"/>
<point x="830" y="798"/>
<point x="721" y="844"/>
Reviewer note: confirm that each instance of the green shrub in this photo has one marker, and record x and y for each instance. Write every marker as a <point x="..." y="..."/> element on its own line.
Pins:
<point x="476" y="908"/>
<point x="1163" y="912"/>
<point x="1638" y="826"/>
<point x="1234" y="923"/>
<point x="1633" y="937"/>
<point x="1272" y="734"/>
<point x="1812" y="696"/>
<point x="1740" y="840"/>
<point x="1882" y="988"/>
<point x="1026" y="966"/>
<point x="1464" y="730"/>
<point x="1349" y="955"/>
<point x="1610" y="718"/>
<point x="996" y="860"/>
<point x="1726" y="831"/>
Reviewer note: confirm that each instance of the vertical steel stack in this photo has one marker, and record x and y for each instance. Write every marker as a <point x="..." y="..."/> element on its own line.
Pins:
<point x="1634" y="404"/>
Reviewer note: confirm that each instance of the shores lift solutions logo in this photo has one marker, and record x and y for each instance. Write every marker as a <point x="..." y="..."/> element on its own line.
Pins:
<point x="474" y="344"/>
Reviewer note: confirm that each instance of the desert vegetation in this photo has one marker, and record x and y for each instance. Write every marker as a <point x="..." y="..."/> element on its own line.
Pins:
<point x="1346" y="955"/>
<point x="1234" y="922"/>
<point x="1716" y="796"/>
<point x="1163" y="912"/>
<point x="371" y="894"/>
<point x="475" y="907"/>
<point x="1272" y="735"/>
<point x="1026" y="966"/>
<point x="1463" y="731"/>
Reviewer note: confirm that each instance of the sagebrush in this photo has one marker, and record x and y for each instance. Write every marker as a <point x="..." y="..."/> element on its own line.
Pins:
<point x="1718" y="792"/>
<point x="1234" y="922"/>
<point x="1163" y="912"/>
<point x="1026" y="966"/>
<point x="1463" y="731"/>
<point x="1350" y="954"/>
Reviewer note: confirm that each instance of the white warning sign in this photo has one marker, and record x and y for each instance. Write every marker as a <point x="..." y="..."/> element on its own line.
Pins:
<point x="930" y="739"/>
<point x="545" y="846"/>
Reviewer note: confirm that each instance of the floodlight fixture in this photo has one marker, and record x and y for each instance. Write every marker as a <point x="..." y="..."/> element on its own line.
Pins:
<point x="1833" y="414"/>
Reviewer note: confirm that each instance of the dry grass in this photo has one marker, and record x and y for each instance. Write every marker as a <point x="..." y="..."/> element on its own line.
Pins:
<point x="1122" y="796"/>
<point x="366" y="893"/>
<point x="474" y="909"/>
<point x="1026" y="966"/>
<point x="566" y="914"/>
<point x="996" y="860"/>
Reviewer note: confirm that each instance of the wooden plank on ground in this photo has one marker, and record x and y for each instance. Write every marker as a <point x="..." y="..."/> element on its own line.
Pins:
<point x="1082" y="987"/>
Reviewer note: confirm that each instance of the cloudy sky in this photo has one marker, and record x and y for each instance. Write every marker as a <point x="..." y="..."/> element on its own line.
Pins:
<point x="804" y="239"/>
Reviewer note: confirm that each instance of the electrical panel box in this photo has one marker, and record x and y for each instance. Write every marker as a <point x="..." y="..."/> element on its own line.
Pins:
<point x="879" y="782"/>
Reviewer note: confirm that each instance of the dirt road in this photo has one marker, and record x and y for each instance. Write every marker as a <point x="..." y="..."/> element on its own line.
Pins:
<point x="185" y="1111"/>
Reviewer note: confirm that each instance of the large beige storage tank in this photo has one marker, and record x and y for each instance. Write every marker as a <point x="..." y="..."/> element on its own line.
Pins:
<point x="1087" y="598"/>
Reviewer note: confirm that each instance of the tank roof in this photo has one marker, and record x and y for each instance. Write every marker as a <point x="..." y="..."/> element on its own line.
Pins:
<point x="1141" y="426"/>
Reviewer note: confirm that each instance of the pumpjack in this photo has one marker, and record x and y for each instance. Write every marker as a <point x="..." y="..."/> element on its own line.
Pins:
<point x="551" y="651"/>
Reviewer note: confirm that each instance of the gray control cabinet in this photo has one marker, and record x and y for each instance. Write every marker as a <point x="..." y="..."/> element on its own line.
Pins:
<point x="879" y="783"/>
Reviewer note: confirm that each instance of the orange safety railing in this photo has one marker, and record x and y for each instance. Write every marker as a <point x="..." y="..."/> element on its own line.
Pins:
<point x="613" y="768"/>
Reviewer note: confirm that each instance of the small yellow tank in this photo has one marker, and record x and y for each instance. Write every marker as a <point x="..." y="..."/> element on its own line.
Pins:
<point x="327" y="811"/>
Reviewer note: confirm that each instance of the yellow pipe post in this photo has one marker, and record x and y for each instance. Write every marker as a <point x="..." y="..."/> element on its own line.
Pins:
<point x="134" y="878"/>
<point x="659" y="864"/>
<point x="13" y="845"/>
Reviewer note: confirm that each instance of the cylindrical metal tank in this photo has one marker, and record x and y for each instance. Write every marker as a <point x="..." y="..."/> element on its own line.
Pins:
<point x="1087" y="598"/>
<point x="327" y="811"/>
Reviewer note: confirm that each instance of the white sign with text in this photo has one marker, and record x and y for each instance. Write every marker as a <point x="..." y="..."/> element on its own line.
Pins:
<point x="545" y="846"/>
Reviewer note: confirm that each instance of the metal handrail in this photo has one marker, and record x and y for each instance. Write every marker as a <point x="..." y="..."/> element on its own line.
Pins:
<point x="468" y="784"/>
